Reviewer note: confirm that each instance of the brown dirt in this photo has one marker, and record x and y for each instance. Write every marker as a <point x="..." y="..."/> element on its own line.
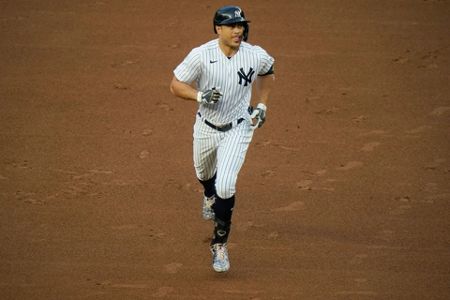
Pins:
<point x="345" y="193"/>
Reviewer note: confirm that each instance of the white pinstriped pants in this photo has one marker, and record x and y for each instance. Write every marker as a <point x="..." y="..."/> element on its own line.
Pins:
<point x="222" y="153"/>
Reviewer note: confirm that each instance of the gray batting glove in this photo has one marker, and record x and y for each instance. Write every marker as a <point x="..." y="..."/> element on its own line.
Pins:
<point x="209" y="96"/>
<point x="259" y="114"/>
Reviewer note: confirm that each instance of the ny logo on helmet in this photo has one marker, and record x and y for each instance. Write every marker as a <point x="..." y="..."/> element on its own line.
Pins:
<point x="245" y="77"/>
<point x="237" y="13"/>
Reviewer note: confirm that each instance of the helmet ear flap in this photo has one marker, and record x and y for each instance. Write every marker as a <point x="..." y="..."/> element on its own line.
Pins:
<point x="246" y="30"/>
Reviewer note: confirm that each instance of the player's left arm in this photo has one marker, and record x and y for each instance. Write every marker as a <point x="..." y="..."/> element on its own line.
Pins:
<point x="263" y="85"/>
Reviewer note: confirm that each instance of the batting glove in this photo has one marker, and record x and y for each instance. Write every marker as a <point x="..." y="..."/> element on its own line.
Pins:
<point x="259" y="113"/>
<point x="209" y="97"/>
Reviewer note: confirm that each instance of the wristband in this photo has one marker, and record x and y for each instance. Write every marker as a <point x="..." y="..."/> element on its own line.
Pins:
<point x="199" y="97"/>
<point x="261" y="106"/>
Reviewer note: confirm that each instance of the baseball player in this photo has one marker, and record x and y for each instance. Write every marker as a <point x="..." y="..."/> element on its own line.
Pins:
<point x="219" y="75"/>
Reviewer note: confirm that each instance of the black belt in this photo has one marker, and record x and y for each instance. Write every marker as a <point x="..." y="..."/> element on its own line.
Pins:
<point x="223" y="128"/>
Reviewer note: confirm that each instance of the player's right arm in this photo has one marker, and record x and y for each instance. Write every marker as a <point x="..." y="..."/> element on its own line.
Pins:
<point x="187" y="92"/>
<point x="188" y="72"/>
<point x="183" y="90"/>
<point x="185" y="74"/>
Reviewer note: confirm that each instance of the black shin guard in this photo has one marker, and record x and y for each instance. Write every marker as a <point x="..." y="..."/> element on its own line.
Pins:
<point x="209" y="186"/>
<point x="223" y="210"/>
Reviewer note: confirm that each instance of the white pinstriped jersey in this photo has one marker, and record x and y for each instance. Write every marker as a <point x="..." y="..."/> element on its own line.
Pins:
<point x="208" y="67"/>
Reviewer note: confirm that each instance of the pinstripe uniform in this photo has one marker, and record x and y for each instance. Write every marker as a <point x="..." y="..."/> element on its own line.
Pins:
<point x="224" y="70"/>
<point x="222" y="153"/>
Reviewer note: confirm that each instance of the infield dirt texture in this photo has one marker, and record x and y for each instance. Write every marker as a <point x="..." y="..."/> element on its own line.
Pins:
<point x="345" y="193"/>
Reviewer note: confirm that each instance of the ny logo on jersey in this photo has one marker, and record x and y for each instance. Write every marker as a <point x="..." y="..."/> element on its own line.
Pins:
<point x="245" y="77"/>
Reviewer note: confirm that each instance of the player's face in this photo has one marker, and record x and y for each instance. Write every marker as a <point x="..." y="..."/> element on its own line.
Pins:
<point x="231" y="35"/>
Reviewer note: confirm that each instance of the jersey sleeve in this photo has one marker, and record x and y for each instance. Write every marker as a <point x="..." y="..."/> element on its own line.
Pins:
<point x="189" y="69"/>
<point x="266" y="61"/>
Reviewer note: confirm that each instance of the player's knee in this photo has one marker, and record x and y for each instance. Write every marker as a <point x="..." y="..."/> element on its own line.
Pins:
<point x="225" y="191"/>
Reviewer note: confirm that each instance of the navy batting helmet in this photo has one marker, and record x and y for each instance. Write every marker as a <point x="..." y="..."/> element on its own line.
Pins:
<point x="228" y="15"/>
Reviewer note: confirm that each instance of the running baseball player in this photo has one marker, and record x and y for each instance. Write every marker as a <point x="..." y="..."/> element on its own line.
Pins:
<point x="219" y="75"/>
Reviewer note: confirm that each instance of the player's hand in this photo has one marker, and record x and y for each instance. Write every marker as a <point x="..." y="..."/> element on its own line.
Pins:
<point x="259" y="115"/>
<point x="209" y="97"/>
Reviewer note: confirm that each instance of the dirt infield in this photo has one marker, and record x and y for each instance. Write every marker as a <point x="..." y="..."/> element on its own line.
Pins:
<point x="345" y="193"/>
